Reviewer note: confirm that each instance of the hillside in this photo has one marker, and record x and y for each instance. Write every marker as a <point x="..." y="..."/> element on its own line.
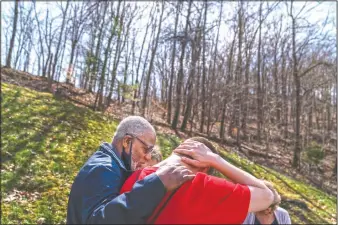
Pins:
<point x="318" y="160"/>
<point x="45" y="140"/>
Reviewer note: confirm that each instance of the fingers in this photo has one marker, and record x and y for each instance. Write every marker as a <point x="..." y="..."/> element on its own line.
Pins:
<point x="175" y="165"/>
<point x="193" y="146"/>
<point x="186" y="174"/>
<point x="189" y="145"/>
<point x="180" y="169"/>
<point x="173" y="176"/>
<point x="183" y="151"/>
<point x="191" y="142"/>
<point x="189" y="177"/>
<point x="192" y="162"/>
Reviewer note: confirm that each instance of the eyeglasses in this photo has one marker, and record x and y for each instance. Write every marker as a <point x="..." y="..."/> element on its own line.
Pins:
<point x="149" y="148"/>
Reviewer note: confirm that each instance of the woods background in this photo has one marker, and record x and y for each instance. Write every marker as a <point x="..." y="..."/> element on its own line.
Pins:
<point x="262" y="72"/>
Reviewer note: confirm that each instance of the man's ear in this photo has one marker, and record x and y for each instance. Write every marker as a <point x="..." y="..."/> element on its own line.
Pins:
<point x="125" y="141"/>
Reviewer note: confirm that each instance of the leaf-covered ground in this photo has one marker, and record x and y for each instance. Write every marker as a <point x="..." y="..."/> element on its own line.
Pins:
<point x="46" y="140"/>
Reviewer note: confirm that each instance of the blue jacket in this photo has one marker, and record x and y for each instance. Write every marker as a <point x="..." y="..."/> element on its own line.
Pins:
<point x="94" y="197"/>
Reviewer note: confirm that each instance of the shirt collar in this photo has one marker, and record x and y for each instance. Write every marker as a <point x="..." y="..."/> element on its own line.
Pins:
<point x="111" y="149"/>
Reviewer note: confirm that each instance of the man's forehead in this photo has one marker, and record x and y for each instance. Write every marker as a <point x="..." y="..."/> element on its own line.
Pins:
<point x="148" y="137"/>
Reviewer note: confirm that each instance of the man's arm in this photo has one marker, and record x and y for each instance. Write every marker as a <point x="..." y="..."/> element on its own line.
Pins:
<point x="138" y="204"/>
<point x="133" y="206"/>
<point x="261" y="196"/>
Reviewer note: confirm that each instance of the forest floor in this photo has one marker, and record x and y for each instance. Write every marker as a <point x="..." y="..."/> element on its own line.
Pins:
<point x="47" y="138"/>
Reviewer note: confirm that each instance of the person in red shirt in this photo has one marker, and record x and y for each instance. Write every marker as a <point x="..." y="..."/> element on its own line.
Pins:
<point x="205" y="198"/>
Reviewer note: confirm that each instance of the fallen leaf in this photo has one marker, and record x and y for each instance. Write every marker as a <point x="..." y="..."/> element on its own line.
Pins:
<point x="41" y="220"/>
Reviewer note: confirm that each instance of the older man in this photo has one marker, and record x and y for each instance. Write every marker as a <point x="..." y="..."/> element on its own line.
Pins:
<point x="94" y="196"/>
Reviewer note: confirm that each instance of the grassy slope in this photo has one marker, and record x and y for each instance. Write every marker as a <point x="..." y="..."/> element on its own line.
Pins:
<point x="45" y="141"/>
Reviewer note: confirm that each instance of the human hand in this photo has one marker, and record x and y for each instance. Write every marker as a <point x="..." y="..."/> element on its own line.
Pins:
<point x="201" y="154"/>
<point x="173" y="176"/>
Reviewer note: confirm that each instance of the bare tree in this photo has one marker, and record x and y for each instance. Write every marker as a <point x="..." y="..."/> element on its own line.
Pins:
<point x="204" y="69"/>
<point x="139" y="61"/>
<point x="78" y="24"/>
<point x="92" y="79"/>
<point x="145" y="93"/>
<point x="195" y="56"/>
<point x="173" y="63"/>
<point x="180" y="71"/>
<point x="64" y="14"/>
<point x="11" y="46"/>
<point x="113" y="29"/>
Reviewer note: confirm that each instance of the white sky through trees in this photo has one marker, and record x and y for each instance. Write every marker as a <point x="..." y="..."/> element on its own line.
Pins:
<point x="319" y="11"/>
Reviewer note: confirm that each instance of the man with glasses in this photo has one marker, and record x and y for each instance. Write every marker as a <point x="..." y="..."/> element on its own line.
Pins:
<point x="136" y="159"/>
<point x="94" y="197"/>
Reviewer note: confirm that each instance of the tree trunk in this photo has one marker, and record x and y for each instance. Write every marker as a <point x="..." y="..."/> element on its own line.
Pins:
<point x="41" y="44"/>
<point x="328" y="109"/>
<point x="245" y="101"/>
<point x="238" y="94"/>
<point x="118" y="51"/>
<point x="50" y="75"/>
<point x="172" y="65"/>
<point x="228" y="92"/>
<point x="195" y="53"/>
<point x="284" y="94"/>
<point x="145" y="93"/>
<point x="22" y="37"/>
<point x="180" y="72"/>
<point x="310" y="115"/>
<point x="62" y="56"/>
<point x="204" y="69"/>
<point x="48" y="41"/>
<point x="139" y="63"/>
<point x="297" y="150"/>
<point x="56" y="56"/>
<point x="106" y="53"/>
<point x="124" y="87"/>
<point x="259" y="89"/>
<point x="143" y="72"/>
<point x="11" y="45"/>
<point x="276" y="90"/>
<point x="93" y="73"/>
<point x="70" y="66"/>
<point x="213" y="75"/>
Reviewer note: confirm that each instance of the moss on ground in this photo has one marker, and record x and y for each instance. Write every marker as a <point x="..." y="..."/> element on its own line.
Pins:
<point x="45" y="141"/>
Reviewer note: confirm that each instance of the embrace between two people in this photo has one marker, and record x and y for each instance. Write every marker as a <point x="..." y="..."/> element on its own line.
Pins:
<point x="120" y="183"/>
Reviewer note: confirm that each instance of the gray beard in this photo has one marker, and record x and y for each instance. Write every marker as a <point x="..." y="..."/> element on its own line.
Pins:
<point x="133" y="165"/>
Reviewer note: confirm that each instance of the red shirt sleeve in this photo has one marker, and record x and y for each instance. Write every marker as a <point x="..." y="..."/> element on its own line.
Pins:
<point x="204" y="200"/>
<point x="136" y="176"/>
<point x="207" y="199"/>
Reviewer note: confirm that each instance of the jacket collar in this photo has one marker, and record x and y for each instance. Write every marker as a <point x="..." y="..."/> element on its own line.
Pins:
<point x="111" y="151"/>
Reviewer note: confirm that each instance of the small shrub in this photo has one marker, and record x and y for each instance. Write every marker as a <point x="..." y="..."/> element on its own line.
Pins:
<point x="314" y="152"/>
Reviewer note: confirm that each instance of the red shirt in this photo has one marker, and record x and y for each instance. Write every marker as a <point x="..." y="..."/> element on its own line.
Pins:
<point x="205" y="199"/>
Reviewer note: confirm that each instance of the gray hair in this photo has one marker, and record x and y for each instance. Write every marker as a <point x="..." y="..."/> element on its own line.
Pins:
<point x="156" y="154"/>
<point x="135" y="125"/>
